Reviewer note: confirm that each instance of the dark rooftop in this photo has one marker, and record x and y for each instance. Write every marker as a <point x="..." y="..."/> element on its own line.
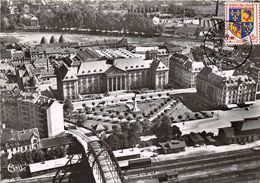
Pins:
<point x="55" y="142"/>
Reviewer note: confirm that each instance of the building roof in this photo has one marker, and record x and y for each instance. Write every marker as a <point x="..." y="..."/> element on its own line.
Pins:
<point x="132" y="63"/>
<point x="247" y="124"/>
<point x="55" y="142"/>
<point x="5" y="54"/>
<point x="195" y="137"/>
<point x="98" y="127"/>
<point x="53" y="40"/>
<point x="87" y="54"/>
<point x="34" y="18"/>
<point x="18" y="55"/>
<point x="126" y="152"/>
<point x="52" y="164"/>
<point x="228" y="131"/>
<point x="61" y="39"/>
<point x="91" y="67"/>
<point x="173" y="144"/>
<point x="23" y="136"/>
<point x="223" y="78"/>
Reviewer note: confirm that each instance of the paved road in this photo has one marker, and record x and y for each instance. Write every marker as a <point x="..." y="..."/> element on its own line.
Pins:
<point x="117" y="96"/>
<point x="223" y="121"/>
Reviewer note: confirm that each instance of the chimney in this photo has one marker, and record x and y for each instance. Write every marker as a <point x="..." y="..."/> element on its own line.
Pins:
<point x="217" y="6"/>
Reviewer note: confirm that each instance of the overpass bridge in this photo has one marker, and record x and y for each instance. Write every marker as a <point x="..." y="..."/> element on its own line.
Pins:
<point x="100" y="157"/>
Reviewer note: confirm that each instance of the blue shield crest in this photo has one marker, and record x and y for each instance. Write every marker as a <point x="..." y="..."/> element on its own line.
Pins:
<point x="241" y="21"/>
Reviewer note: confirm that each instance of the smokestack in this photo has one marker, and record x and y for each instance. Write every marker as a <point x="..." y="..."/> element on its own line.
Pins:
<point x="217" y="5"/>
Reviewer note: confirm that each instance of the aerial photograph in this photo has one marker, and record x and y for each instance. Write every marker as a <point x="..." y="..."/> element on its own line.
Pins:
<point x="130" y="91"/>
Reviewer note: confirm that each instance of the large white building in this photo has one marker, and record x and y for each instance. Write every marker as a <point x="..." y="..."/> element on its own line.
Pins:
<point x="223" y="88"/>
<point x="108" y="73"/>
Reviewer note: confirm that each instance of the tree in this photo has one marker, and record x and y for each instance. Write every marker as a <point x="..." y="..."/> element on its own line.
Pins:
<point x="125" y="127"/>
<point x="116" y="129"/>
<point x="151" y="97"/>
<point x="159" y="95"/>
<point x="123" y="137"/>
<point x="68" y="107"/>
<point x="81" y="119"/>
<point x="176" y="133"/>
<point x="134" y="134"/>
<point x="147" y="126"/>
<point x="113" y="141"/>
<point x="180" y="116"/>
<point x="164" y="132"/>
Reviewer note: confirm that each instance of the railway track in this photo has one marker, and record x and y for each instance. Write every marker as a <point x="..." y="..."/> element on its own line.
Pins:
<point x="201" y="163"/>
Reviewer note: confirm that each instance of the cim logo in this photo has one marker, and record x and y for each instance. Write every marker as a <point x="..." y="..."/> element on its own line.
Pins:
<point x="16" y="168"/>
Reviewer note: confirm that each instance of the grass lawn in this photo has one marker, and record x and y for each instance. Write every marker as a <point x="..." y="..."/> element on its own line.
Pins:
<point x="150" y="105"/>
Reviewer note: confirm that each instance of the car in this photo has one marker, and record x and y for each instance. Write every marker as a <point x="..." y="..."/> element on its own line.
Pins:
<point x="247" y="109"/>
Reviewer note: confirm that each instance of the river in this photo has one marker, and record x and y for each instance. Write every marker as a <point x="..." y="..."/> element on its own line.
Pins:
<point x="32" y="38"/>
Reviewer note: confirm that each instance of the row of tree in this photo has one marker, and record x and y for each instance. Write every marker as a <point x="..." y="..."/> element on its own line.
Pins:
<point x="128" y="134"/>
<point x="36" y="156"/>
<point x="81" y="15"/>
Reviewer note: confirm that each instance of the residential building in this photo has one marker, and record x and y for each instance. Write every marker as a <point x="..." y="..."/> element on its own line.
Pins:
<point x="254" y="72"/>
<point x="31" y="110"/>
<point x="160" y="54"/>
<point x="184" y="70"/>
<point x="19" y="57"/>
<point x="5" y="55"/>
<point x="13" y="141"/>
<point x="36" y="77"/>
<point x="242" y="131"/>
<point x="224" y="89"/>
<point x="100" y="76"/>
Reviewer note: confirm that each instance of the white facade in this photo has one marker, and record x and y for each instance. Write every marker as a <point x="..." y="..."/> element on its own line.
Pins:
<point x="55" y="119"/>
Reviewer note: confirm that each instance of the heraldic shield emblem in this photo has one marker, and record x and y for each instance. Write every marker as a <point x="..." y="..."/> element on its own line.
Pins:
<point x="241" y="21"/>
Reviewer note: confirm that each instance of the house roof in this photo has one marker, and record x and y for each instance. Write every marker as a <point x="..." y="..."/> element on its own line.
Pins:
<point x="98" y="127"/>
<point x="23" y="136"/>
<point x="55" y="142"/>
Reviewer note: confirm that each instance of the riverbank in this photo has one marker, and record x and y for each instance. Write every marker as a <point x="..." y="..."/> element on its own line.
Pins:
<point x="32" y="38"/>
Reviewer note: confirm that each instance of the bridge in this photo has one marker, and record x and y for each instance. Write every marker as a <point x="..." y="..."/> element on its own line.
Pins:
<point x="100" y="157"/>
